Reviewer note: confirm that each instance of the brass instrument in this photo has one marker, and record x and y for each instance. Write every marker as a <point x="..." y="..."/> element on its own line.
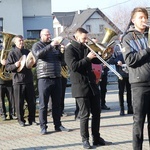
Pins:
<point x="64" y="71"/>
<point x="104" y="51"/>
<point x="7" y="38"/>
<point x="104" y="62"/>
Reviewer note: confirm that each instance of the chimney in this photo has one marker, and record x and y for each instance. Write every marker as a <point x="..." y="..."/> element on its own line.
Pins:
<point x="79" y="12"/>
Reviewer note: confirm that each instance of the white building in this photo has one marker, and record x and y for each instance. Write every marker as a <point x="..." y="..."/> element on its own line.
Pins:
<point x="25" y="17"/>
<point x="92" y="19"/>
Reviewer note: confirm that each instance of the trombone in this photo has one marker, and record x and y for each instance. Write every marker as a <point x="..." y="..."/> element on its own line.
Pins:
<point x="105" y="51"/>
<point x="104" y="62"/>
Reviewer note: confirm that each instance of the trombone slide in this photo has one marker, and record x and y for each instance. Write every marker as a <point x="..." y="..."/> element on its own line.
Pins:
<point x="104" y="62"/>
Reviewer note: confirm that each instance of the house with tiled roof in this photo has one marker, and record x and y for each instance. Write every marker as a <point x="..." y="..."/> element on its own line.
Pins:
<point x="92" y="19"/>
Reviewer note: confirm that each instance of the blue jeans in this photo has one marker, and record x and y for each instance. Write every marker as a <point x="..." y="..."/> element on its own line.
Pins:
<point x="49" y="87"/>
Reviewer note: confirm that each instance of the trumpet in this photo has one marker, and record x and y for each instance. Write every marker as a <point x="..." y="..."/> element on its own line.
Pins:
<point x="104" y="62"/>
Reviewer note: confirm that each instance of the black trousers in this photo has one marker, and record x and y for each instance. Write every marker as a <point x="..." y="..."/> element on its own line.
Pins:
<point x="49" y="88"/>
<point x="122" y="84"/>
<point x="8" y="92"/>
<point x="24" y="92"/>
<point x="141" y="109"/>
<point x="64" y="84"/>
<point x="77" y="113"/>
<point x="103" y="89"/>
<point x="87" y="105"/>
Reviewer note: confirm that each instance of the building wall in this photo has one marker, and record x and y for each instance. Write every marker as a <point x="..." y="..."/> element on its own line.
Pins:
<point x="37" y="23"/>
<point x="95" y="21"/>
<point x="18" y="16"/>
<point x="37" y="15"/>
<point x="11" y="12"/>
<point x="36" y="7"/>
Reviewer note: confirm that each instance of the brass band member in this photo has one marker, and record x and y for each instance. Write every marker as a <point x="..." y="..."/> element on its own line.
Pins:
<point x="49" y="79"/>
<point x="6" y="90"/>
<point x="136" y="53"/>
<point x="22" y="81"/>
<point x="84" y="88"/>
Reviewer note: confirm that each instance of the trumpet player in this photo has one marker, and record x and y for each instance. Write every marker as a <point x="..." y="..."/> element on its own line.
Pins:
<point x="79" y="60"/>
<point x="136" y="53"/>
<point x="48" y="69"/>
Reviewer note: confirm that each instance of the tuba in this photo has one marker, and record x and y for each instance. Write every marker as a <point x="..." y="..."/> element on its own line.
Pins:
<point x="104" y="51"/>
<point x="7" y="38"/>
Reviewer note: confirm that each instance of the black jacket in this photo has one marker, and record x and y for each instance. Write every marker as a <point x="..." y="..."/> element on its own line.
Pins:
<point x="137" y="56"/>
<point x="48" y="60"/>
<point x="25" y="76"/>
<point x="82" y="78"/>
<point x="117" y="56"/>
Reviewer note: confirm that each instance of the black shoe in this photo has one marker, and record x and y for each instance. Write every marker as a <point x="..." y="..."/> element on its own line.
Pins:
<point x="12" y="117"/>
<point x="86" y="145"/>
<point x="44" y="130"/>
<point x="99" y="142"/>
<point x="104" y="107"/>
<point x="122" y="113"/>
<point x="33" y="123"/>
<point x="61" y="128"/>
<point x="77" y="118"/>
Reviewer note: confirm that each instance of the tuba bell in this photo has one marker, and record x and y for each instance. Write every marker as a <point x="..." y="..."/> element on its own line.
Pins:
<point x="101" y="48"/>
<point x="7" y="38"/>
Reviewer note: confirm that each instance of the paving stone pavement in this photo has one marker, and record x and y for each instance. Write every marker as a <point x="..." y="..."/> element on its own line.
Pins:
<point x="114" y="128"/>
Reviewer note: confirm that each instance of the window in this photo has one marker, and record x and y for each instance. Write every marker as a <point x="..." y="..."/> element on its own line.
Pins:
<point x="33" y="34"/>
<point x="88" y="28"/>
<point x="101" y="28"/>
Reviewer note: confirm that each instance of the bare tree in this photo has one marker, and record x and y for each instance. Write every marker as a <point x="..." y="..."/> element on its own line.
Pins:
<point x="121" y="14"/>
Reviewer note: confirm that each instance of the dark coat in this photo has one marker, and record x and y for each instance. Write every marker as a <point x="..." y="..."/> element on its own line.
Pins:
<point x="25" y="76"/>
<point x="117" y="56"/>
<point x="137" y="56"/>
<point x="82" y="78"/>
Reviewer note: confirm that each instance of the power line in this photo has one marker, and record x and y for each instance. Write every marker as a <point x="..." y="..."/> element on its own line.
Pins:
<point x="115" y="5"/>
